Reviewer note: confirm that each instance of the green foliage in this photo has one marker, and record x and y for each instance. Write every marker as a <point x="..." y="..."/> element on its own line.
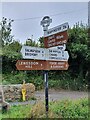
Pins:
<point x="17" y="112"/>
<point x="78" y="49"/>
<point x="30" y="42"/>
<point x="71" y="109"/>
<point x="38" y="82"/>
<point x="18" y="77"/>
<point x="68" y="84"/>
<point x="63" y="82"/>
<point x="78" y="34"/>
<point x="5" y="31"/>
<point x="12" y="51"/>
<point x="13" y="78"/>
<point x="38" y="111"/>
<point x="76" y="76"/>
<point x="57" y="109"/>
<point x="0" y="78"/>
<point x="41" y="41"/>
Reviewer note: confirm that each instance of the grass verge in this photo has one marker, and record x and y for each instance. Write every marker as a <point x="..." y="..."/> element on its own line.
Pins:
<point x="57" y="109"/>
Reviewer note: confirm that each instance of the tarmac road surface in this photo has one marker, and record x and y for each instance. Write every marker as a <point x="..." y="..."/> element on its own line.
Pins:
<point x="60" y="95"/>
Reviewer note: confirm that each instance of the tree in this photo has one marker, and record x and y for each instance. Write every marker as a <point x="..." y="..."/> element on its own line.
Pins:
<point x="78" y="46"/>
<point x="41" y="41"/>
<point x="30" y="42"/>
<point x="5" y="31"/>
<point x="10" y="47"/>
<point x="11" y="53"/>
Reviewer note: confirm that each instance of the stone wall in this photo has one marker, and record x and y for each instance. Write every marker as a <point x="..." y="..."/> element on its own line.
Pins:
<point x="14" y="92"/>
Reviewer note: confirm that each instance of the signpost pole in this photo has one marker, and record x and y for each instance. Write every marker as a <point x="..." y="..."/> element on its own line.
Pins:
<point x="46" y="91"/>
<point x="45" y="23"/>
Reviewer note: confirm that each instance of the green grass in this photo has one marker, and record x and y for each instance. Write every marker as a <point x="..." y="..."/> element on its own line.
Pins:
<point x="60" y="109"/>
<point x="71" y="109"/>
<point x="17" y="112"/>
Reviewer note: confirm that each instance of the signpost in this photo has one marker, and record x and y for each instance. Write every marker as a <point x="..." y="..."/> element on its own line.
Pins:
<point x="41" y="65"/>
<point x="52" y="57"/>
<point x="57" y="29"/>
<point x="56" y="39"/>
<point x="60" y="47"/>
<point x="29" y="52"/>
<point x="44" y="54"/>
<point x="57" y="65"/>
<point x="57" y="55"/>
<point x="30" y="65"/>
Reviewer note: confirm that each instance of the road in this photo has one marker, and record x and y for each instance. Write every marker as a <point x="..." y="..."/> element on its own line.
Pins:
<point x="60" y="95"/>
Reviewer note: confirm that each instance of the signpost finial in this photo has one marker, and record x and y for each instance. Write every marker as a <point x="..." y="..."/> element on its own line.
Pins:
<point x="46" y="22"/>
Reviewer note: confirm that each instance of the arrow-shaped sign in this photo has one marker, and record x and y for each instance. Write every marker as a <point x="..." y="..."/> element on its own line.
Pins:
<point x="41" y="65"/>
<point x="29" y="52"/>
<point x="57" y="55"/>
<point x="60" y="47"/>
<point x="57" y="29"/>
<point x="44" y="54"/>
<point x="56" y="39"/>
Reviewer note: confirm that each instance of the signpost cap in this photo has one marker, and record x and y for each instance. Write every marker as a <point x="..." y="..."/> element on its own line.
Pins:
<point x="45" y="22"/>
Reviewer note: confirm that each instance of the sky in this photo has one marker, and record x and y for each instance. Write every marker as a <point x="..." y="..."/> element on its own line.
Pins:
<point x="28" y="15"/>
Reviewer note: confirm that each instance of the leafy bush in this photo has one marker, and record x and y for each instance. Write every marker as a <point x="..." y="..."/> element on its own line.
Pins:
<point x="13" y="78"/>
<point x="71" y="109"/>
<point x="63" y="82"/>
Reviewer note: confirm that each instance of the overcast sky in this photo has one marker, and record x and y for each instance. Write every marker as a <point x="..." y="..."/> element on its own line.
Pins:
<point x="23" y="28"/>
